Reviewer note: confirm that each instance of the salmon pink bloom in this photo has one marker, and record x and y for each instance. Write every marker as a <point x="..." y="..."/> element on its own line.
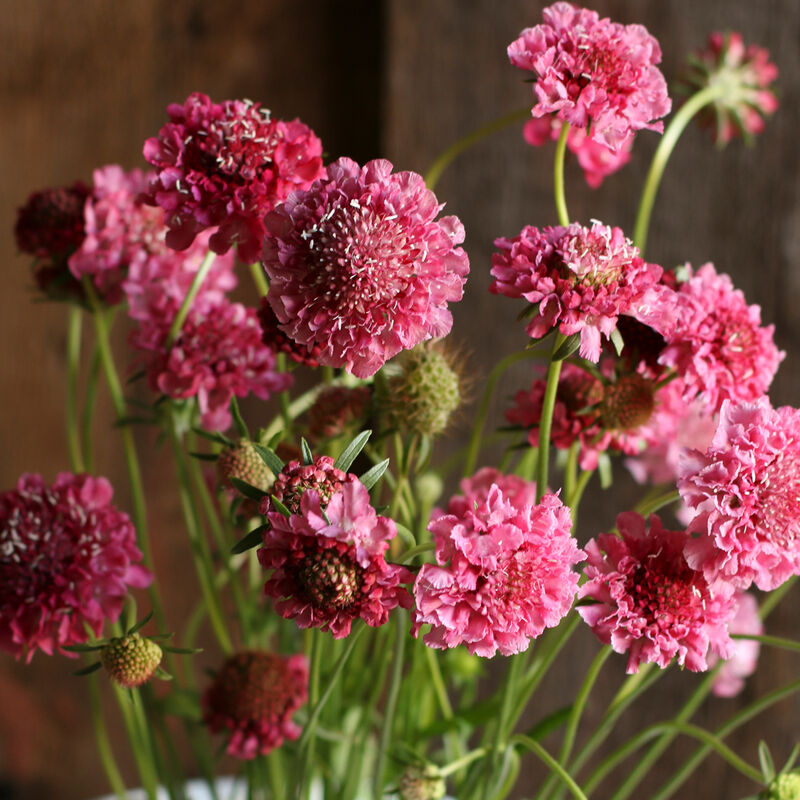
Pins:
<point x="729" y="680"/>
<point x="360" y="268"/>
<point x="745" y="490"/>
<point x="649" y="602"/>
<point x="67" y="561"/>
<point x="503" y="572"/>
<point x="593" y="73"/>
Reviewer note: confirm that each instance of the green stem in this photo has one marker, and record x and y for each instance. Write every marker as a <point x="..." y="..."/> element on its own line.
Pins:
<point x="558" y="176"/>
<point x="773" y="641"/>
<point x="546" y="420"/>
<point x="655" y="504"/>
<point x="774" y="597"/>
<point x="571" y="469"/>
<point x="103" y="746"/>
<point x="460" y="763"/>
<point x="496" y="373"/>
<point x="88" y="409"/>
<point x="140" y="745"/>
<point x="186" y="305"/>
<point x="443" y="161"/>
<point x="554" y="766"/>
<point x="73" y="368"/>
<point x="574" y="499"/>
<point x="313" y="697"/>
<point x="259" y="278"/>
<point x="664" y="150"/>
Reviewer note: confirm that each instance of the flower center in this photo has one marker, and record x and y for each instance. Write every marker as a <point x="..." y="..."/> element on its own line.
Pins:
<point x="661" y="599"/>
<point x="253" y="686"/>
<point x="330" y="579"/>
<point x="592" y="259"/>
<point x="778" y="506"/>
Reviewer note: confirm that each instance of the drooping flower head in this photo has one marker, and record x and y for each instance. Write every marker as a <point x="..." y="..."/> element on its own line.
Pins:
<point x="745" y="490"/>
<point x="360" y="268"/>
<point x="253" y="698"/>
<point x="745" y="75"/>
<point x="327" y="561"/>
<point x="580" y="280"/>
<point x="503" y="574"/>
<point x="593" y="73"/>
<point x="718" y="346"/>
<point x="225" y="165"/>
<point x="67" y="560"/>
<point x="729" y="680"/>
<point x="649" y="602"/>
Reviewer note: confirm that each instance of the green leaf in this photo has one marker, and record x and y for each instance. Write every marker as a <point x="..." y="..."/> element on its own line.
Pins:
<point x="89" y="670"/>
<point x="83" y="648"/>
<point x="552" y="722"/>
<point x="308" y="456"/>
<point x="350" y="453"/>
<point x="204" y="456"/>
<point x="139" y="625"/>
<point x="766" y="762"/>
<point x="182" y="703"/>
<point x="604" y="470"/>
<point x="136" y="376"/>
<point x="253" y="492"/>
<point x="567" y="347"/>
<point x="124" y="422"/>
<point x="241" y="425"/>
<point x="213" y="436"/>
<point x="372" y="476"/>
<point x="280" y="507"/>
<point x="163" y="675"/>
<point x="270" y="458"/>
<point x="424" y="453"/>
<point x="251" y="540"/>
<point x="183" y="651"/>
<point x="406" y="535"/>
<point x="616" y="340"/>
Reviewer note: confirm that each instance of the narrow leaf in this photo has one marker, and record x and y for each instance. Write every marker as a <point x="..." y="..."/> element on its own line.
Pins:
<point x="248" y="542"/>
<point x="253" y="492"/>
<point x="213" y="436"/>
<point x="139" y="625"/>
<point x="372" y="476"/>
<point x="406" y="535"/>
<point x="203" y="456"/>
<point x="136" y="376"/>
<point x="183" y="651"/>
<point x="616" y="340"/>
<point x="280" y="507"/>
<point x="567" y="347"/>
<point x="124" y="422"/>
<point x="350" y="453"/>
<point x="765" y="760"/>
<point x="88" y="670"/>
<point x="270" y="458"/>
<point x="83" y="648"/>
<point x="241" y="425"/>
<point x="308" y="456"/>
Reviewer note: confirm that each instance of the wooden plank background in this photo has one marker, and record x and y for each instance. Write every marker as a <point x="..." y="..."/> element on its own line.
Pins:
<point x="83" y="84"/>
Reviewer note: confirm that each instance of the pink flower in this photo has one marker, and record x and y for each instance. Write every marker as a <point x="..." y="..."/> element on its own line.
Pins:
<point x="719" y="347"/>
<point x="593" y="73"/>
<point x="746" y="491"/>
<point x="295" y="479"/>
<point x="360" y="268"/>
<point x="503" y="573"/>
<point x="67" y="560"/>
<point x="650" y="603"/>
<point x="747" y="75"/>
<point x="225" y="165"/>
<point x="596" y="159"/>
<point x="274" y="338"/>
<point x="580" y="280"/>
<point x="254" y="696"/>
<point x="328" y="565"/>
<point x="50" y="225"/>
<point x="517" y="491"/>
<point x="218" y="354"/>
<point x="729" y="680"/>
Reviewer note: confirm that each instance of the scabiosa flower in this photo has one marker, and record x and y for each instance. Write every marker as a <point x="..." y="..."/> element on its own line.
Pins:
<point x="274" y="338"/>
<point x="131" y="660"/>
<point x="225" y="165"/>
<point x="580" y="280"/>
<point x="649" y="602"/>
<point x="51" y="225"/>
<point x="242" y="461"/>
<point x="729" y="680"/>
<point x="593" y="73"/>
<point x="745" y="74"/>
<point x="253" y="697"/>
<point x="596" y="159"/>
<point x="360" y="267"/>
<point x="67" y="560"/>
<point x="503" y="574"/>
<point x="517" y="491"/>
<point x="328" y="565"/>
<point x="216" y="355"/>
<point x="719" y="347"/>
<point x="746" y="491"/>
<point x="295" y="478"/>
<point x="337" y="410"/>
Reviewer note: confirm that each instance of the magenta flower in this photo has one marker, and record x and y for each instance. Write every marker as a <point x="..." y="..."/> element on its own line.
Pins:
<point x="719" y="347"/>
<point x="217" y="355"/>
<point x="580" y="280"/>
<point x="253" y="698"/>
<point x="746" y="491"/>
<point x="295" y="479"/>
<point x="67" y="561"/>
<point x="747" y="75"/>
<point x="503" y="573"/>
<point x="593" y="73"/>
<point x="274" y="338"/>
<point x="360" y="268"/>
<point x="517" y="491"/>
<point x="649" y="602"/>
<point x="729" y="680"/>
<point x="225" y="165"/>
<point x="328" y="565"/>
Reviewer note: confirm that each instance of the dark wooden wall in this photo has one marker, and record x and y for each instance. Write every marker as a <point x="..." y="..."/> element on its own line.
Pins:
<point x="83" y="84"/>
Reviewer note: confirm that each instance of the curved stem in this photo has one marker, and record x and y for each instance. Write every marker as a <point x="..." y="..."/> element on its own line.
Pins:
<point x="656" y="503"/>
<point x="73" y="368"/>
<point x="558" y="176"/>
<point x="664" y="150"/>
<point x="103" y="746"/>
<point x="772" y="641"/>
<point x="186" y="305"/>
<point x="441" y="163"/>
<point x="546" y="420"/>
<point x="554" y="766"/>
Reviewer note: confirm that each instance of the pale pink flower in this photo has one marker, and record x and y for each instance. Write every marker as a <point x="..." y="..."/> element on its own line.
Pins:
<point x="729" y="680"/>
<point x="649" y="602"/>
<point x="503" y="574"/>
<point x="225" y="165"/>
<point x="579" y="279"/>
<point x="359" y="266"/>
<point x="593" y="73"/>
<point x="67" y="561"/>
<point x="718" y="346"/>
<point x="328" y="565"/>
<point x="745" y="490"/>
<point x="517" y="491"/>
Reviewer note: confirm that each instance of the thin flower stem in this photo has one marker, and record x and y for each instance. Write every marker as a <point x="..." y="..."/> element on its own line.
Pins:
<point x="546" y="420"/>
<point x="283" y="396"/>
<point x="774" y="597"/>
<point x="186" y="305"/>
<point x="558" y="176"/>
<point x="571" y="469"/>
<point x="73" y="368"/>
<point x="259" y="278"/>
<point x="460" y="763"/>
<point x="554" y="766"/>
<point x="654" y="504"/>
<point x="772" y="641"/>
<point x="663" y="152"/>
<point x="103" y="746"/>
<point x="139" y="745"/>
<point x="90" y="395"/>
<point x="574" y="499"/>
<point x="483" y="409"/>
<point x="438" y="684"/>
<point x="436" y="169"/>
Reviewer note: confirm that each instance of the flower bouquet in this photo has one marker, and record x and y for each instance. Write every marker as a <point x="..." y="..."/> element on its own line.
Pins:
<point x="353" y="582"/>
